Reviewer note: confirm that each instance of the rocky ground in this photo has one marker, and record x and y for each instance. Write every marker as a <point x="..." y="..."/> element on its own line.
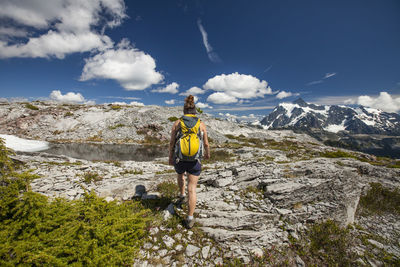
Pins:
<point x="260" y="194"/>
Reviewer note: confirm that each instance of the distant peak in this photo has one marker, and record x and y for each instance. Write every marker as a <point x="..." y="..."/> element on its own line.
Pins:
<point x="300" y="102"/>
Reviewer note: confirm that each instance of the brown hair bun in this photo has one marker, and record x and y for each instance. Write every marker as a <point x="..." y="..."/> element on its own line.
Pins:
<point x="189" y="107"/>
<point x="189" y="102"/>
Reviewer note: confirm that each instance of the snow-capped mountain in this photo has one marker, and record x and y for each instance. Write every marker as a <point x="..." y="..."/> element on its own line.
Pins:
<point x="361" y="120"/>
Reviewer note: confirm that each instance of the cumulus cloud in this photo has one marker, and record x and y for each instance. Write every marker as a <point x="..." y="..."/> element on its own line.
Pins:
<point x="283" y="94"/>
<point x="212" y="55"/>
<point x="203" y="105"/>
<point x="170" y="102"/>
<point x="69" y="97"/>
<point x="171" y="88"/>
<point x="193" y="91"/>
<point x="236" y="86"/>
<point x="135" y="103"/>
<point x="383" y="102"/>
<point x="221" y="98"/>
<point x="57" y="27"/>
<point x="130" y="67"/>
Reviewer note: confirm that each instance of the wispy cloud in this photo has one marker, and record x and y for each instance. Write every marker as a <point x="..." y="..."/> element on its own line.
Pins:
<point x="327" y="75"/>
<point x="213" y="56"/>
<point x="268" y="69"/>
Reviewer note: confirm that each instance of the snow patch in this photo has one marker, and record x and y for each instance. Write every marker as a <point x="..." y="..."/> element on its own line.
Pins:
<point x="289" y="108"/>
<point x="24" y="145"/>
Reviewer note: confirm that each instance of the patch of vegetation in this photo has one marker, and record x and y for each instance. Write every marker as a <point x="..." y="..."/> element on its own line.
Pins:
<point x="168" y="189"/>
<point x="251" y="192"/>
<point x="337" y="154"/>
<point x="6" y="163"/>
<point x="95" y="138"/>
<point x="199" y="110"/>
<point x="56" y="132"/>
<point x="326" y="244"/>
<point x="30" y="106"/>
<point x="379" y="200"/>
<point x="230" y="136"/>
<point x="86" y="232"/>
<point x="116" y="126"/>
<point x="69" y="114"/>
<point x="218" y="156"/>
<point x="172" y="119"/>
<point x="136" y="172"/>
<point x="90" y="177"/>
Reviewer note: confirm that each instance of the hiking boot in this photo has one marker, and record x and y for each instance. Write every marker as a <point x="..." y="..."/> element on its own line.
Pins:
<point x="188" y="223"/>
<point x="181" y="200"/>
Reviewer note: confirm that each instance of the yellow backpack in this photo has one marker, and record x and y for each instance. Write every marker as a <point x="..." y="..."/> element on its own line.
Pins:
<point x="189" y="145"/>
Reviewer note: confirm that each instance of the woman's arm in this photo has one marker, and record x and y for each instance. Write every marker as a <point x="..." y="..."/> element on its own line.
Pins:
<point x="205" y="141"/>
<point x="172" y="143"/>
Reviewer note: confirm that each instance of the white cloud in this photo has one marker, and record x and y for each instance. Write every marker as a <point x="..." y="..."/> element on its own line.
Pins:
<point x="329" y="74"/>
<point x="69" y="97"/>
<point x="194" y="91"/>
<point x="203" y="105"/>
<point x="283" y="94"/>
<point x="57" y="27"/>
<point x="55" y="44"/>
<point x="135" y="103"/>
<point x="171" y="88"/>
<point x="236" y="86"/>
<point x="315" y="82"/>
<point x="221" y="98"/>
<point x="130" y="67"/>
<point x="383" y="102"/>
<point x="170" y="102"/>
<point x="349" y="101"/>
<point x="335" y="100"/>
<point x="213" y="56"/>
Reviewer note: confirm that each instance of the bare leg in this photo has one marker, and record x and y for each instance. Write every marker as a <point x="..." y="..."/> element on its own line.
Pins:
<point x="181" y="183"/>
<point x="192" y="185"/>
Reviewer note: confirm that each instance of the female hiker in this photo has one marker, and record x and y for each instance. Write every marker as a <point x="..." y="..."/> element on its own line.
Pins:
<point x="188" y="143"/>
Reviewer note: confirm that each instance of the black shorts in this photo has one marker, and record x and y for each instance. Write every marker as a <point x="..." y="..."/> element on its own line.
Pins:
<point x="192" y="167"/>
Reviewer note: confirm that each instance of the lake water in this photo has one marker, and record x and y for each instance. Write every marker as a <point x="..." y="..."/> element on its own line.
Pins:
<point x="109" y="151"/>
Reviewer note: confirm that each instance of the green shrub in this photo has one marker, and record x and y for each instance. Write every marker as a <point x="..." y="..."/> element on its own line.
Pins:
<point x="90" y="177"/>
<point x="68" y="114"/>
<point x="168" y="189"/>
<point x="337" y="154"/>
<point x="6" y="164"/>
<point x="116" y="126"/>
<point x="172" y="119"/>
<point x="199" y="110"/>
<point x="85" y="232"/>
<point x="379" y="200"/>
<point x="30" y="106"/>
<point x="89" y="232"/>
<point x="219" y="155"/>
<point x="331" y="243"/>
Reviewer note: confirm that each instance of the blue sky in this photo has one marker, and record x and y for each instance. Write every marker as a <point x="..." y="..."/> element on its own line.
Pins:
<point x="238" y="57"/>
